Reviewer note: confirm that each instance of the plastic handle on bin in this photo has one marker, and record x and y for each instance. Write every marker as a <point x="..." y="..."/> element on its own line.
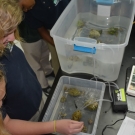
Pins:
<point x="84" y="49"/>
<point x="105" y="2"/>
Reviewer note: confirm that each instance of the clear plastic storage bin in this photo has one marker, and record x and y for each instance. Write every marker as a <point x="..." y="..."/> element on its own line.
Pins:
<point x="82" y="50"/>
<point x="64" y="110"/>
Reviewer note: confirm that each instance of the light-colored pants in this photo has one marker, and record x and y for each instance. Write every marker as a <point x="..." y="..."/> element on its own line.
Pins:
<point x="37" y="55"/>
<point x="37" y="114"/>
<point x="55" y="61"/>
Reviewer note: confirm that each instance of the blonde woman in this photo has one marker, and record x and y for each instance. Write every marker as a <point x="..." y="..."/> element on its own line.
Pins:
<point x="23" y="99"/>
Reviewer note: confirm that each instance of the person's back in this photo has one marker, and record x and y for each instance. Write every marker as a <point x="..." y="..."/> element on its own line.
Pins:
<point x="23" y="88"/>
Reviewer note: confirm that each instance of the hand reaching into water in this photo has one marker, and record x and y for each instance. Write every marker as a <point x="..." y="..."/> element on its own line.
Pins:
<point x="68" y="127"/>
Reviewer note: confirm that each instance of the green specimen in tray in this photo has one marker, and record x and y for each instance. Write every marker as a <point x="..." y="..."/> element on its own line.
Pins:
<point x="77" y="115"/>
<point x="84" y="129"/>
<point x="113" y="31"/>
<point x="95" y="33"/>
<point x="80" y="23"/>
<point x="92" y="105"/>
<point x="74" y="92"/>
<point x="63" y="99"/>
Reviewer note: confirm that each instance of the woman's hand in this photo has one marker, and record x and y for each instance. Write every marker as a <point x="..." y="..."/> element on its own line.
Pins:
<point x="68" y="127"/>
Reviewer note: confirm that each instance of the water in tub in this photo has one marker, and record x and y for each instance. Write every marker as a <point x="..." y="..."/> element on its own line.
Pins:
<point x="90" y="65"/>
<point x="109" y="34"/>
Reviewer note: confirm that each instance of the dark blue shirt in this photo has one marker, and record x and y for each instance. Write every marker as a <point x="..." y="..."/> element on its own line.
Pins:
<point x="24" y="93"/>
<point x="45" y="13"/>
<point x="29" y="34"/>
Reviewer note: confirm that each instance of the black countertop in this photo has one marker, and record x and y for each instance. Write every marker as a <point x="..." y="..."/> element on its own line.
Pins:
<point x="107" y="116"/>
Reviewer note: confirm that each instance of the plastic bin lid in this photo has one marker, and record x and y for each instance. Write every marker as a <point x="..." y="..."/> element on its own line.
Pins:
<point x="85" y="39"/>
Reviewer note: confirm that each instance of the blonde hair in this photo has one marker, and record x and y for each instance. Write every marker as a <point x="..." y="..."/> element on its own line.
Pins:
<point x="10" y="17"/>
<point x="3" y="131"/>
<point x="2" y="73"/>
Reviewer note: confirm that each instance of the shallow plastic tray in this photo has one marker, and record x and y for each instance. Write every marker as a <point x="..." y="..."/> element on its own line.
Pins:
<point x="88" y="88"/>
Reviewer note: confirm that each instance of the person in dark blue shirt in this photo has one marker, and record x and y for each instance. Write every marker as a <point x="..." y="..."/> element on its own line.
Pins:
<point x="37" y="54"/>
<point x="40" y="15"/>
<point x="43" y="14"/>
